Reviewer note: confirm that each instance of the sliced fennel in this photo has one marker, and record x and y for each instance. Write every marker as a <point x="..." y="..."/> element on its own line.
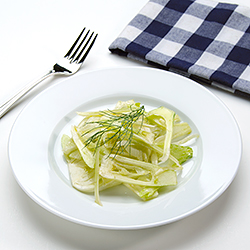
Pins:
<point x="168" y="116"/>
<point x="129" y="146"/>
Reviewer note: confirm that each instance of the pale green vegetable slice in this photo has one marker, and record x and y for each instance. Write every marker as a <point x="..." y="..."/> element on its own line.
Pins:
<point x="86" y="154"/>
<point x="181" y="130"/>
<point x="178" y="155"/>
<point x="145" y="193"/>
<point x="187" y="139"/>
<point x="168" y="116"/>
<point x="68" y="145"/>
<point x="181" y="153"/>
<point x="83" y="178"/>
<point x="97" y="179"/>
<point x="70" y="150"/>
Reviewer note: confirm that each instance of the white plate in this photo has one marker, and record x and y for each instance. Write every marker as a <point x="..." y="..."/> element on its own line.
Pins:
<point x="38" y="165"/>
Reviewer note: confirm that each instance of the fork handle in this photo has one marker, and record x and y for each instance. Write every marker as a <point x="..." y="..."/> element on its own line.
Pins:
<point x="7" y="105"/>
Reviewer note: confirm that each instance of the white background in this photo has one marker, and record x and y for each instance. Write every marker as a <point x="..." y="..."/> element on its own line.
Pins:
<point x="33" y="35"/>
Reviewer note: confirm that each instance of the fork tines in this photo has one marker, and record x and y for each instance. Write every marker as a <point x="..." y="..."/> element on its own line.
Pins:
<point x="81" y="47"/>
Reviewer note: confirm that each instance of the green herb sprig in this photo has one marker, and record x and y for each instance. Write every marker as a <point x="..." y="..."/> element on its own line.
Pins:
<point x="120" y="124"/>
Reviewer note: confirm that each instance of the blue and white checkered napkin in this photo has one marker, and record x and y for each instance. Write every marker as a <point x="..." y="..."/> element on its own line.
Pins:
<point x="204" y="40"/>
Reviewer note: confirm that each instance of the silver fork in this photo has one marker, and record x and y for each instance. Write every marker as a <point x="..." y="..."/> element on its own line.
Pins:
<point x="69" y="65"/>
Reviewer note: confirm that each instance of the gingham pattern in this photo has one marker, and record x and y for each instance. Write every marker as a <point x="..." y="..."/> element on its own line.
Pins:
<point x="205" y="40"/>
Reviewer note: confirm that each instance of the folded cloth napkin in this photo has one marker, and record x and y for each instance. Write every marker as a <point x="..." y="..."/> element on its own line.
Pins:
<point x="205" y="40"/>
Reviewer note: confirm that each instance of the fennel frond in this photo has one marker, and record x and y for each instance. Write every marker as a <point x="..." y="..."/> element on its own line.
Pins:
<point x="115" y="128"/>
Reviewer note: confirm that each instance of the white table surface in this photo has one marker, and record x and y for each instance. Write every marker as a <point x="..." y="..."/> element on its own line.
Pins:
<point x="33" y="35"/>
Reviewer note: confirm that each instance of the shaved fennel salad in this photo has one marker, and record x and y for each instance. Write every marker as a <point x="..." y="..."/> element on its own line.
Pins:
<point x="128" y="145"/>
